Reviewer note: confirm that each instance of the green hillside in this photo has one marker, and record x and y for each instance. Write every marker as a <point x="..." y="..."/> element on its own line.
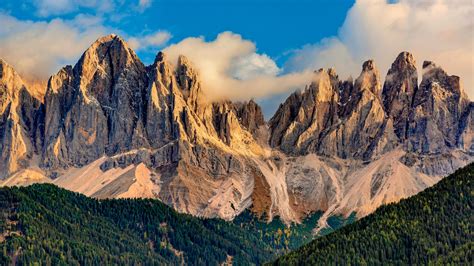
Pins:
<point x="46" y="224"/>
<point x="434" y="227"/>
<point x="50" y="225"/>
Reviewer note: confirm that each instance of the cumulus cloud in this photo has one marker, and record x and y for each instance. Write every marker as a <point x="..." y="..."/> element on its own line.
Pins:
<point x="39" y="48"/>
<point x="231" y="68"/>
<point x="152" y="40"/>
<point x="440" y="31"/>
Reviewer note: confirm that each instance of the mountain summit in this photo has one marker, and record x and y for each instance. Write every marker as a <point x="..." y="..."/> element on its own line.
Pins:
<point x="111" y="127"/>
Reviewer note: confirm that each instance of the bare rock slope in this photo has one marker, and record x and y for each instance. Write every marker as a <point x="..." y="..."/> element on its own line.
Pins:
<point x="111" y="127"/>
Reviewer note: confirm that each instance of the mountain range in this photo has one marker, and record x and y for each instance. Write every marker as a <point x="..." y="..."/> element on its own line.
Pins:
<point x="112" y="127"/>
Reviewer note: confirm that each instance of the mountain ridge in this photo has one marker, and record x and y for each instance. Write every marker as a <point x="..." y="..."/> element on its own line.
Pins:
<point x="112" y="127"/>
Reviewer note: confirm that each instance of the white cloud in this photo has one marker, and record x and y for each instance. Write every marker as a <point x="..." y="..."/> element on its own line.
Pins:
<point x="253" y="66"/>
<point x="328" y="53"/>
<point x="153" y="40"/>
<point x="230" y="67"/>
<point x="441" y="31"/>
<point x="38" y="49"/>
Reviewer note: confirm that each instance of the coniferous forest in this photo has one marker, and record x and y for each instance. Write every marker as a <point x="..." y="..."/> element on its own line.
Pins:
<point x="433" y="227"/>
<point x="46" y="224"/>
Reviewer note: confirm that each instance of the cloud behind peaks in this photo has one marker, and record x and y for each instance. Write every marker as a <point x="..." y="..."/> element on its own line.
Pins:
<point x="39" y="48"/>
<point x="441" y="31"/>
<point x="230" y="67"/>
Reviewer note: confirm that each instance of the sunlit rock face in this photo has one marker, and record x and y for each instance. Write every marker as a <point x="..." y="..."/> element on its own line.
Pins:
<point x="111" y="127"/>
<point x="20" y="122"/>
<point x="334" y="118"/>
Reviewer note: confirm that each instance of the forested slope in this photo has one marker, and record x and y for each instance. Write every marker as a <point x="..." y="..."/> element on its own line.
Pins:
<point x="43" y="223"/>
<point x="435" y="226"/>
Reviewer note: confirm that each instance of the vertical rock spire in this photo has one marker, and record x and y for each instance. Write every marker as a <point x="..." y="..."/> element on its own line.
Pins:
<point x="369" y="78"/>
<point x="399" y="88"/>
<point x="438" y="104"/>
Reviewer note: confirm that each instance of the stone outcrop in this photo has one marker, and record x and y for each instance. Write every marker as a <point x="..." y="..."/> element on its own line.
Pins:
<point x="250" y="115"/>
<point x="438" y="108"/>
<point x="20" y="124"/>
<point x="399" y="90"/>
<point x="304" y="119"/>
<point x="96" y="107"/>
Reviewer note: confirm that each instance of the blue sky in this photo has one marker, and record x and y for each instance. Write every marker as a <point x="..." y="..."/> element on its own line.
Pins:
<point x="259" y="49"/>
<point x="275" y="26"/>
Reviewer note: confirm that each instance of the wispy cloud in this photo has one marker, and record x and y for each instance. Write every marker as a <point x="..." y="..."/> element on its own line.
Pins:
<point x="150" y="41"/>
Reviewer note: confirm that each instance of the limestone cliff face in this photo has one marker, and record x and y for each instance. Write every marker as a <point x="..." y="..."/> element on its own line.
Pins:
<point x="368" y="121"/>
<point x="438" y="107"/>
<point x="333" y="118"/>
<point x="97" y="107"/>
<point x="250" y="114"/>
<point x="466" y="129"/>
<point x="304" y="119"/>
<point x="399" y="90"/>
<point x="19" y="122"/>
<point x="112" y="127"/>
<point x="362" y="133"/>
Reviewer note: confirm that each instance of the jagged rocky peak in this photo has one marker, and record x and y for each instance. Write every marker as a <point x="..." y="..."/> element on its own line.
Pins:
<point x="250" y="115"/>
<point x="14" y="82"/>
<point x="369" y="78"/>
<point x="439" y="105"/>
<point x="283" y="117"/>
<point x="110" y="45"/>
<point x="11" y="81"/>
<point x="324" y="86"/>
<point x="106" y="60"/>
<point x="399" y="88"/>
<point x="366" y="88"/>
<point x="162" y="71"/>
<point x="18" y="121"/>
<point x="163" y="66"/>
<point x="297" y="125"/>
<point x="188" y="80"/>
<point x="187" y="76"/>
<point x="435" y="75"/>
<point x="98" y="107"/>
<point x="438" y="84"/>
